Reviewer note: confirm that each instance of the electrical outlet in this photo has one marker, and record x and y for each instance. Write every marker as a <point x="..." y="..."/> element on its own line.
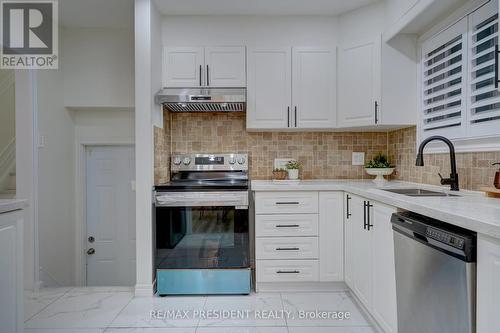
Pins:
<point x="358" y="158"/>
<point x="280" y="163"/>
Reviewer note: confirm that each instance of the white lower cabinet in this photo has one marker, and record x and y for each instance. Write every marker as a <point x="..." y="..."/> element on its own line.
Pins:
<point x="369" y="258"/>
<point x="488" y="289"/>
<point x="299" y="236"/>
<point x="11" y="272"/>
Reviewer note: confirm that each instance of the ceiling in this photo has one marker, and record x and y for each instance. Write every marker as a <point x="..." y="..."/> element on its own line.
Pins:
<point x="120" y="13"/>
<point x="96" y="13"/>
<point x="259" y="7"/>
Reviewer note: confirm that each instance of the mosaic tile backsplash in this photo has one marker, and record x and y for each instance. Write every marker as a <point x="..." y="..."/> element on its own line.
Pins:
<point x="474" y="169"/>
<point x="324" y="155"/>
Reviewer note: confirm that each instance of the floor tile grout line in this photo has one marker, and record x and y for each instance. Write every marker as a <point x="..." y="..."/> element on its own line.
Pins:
<point x="49" y="304"/>
<point x="119" y="312"/>
<point x="203" y="309"/>
<point x="283" y="308"/>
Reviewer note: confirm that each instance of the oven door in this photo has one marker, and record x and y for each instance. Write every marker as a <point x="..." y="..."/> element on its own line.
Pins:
<point x="201" y="230"/>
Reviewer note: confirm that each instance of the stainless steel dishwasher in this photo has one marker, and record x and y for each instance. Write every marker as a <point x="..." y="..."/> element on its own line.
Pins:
<point x="435" y="275"/>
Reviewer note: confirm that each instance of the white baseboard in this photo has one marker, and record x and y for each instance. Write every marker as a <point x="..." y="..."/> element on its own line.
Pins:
<point x="144" y="290"/>
<point x="300" y="286"/>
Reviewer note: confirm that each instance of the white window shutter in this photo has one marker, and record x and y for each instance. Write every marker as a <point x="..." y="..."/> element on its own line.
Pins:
<point x="444" y="72"/>
<point x="483" y="96"/>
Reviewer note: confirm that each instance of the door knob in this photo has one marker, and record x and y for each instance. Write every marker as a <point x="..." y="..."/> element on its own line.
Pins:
<point x="91" y="239"/>
<point x="90" y="251"/>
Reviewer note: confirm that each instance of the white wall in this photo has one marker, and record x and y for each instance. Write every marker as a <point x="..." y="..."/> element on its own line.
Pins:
<point x="262" y="31"/>
<point x="96" y="80"/>
<point x="7" y="107"/>
<point x="98" y="67"/>
<point x="55" y="182"/>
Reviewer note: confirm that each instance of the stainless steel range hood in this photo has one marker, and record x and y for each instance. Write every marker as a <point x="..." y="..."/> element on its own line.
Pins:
<point x="203" y="99"/>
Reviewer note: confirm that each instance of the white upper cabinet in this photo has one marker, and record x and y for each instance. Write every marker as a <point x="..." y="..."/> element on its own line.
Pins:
<point x="225" y="66"/>
<point x="183" y="66"/>
<point x="291" y="90"/>
<point x="269" y="91"/>
<point x="359" y="84"/>
<point x="204" y="66"/>
<point x="314" y="88"/>
<point x="377" y="83"/>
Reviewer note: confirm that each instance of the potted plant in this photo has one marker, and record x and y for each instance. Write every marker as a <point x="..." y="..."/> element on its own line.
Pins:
<point x="379" y="166"/>
<point x="293" y="168"/>
<point x="279" y="174"/>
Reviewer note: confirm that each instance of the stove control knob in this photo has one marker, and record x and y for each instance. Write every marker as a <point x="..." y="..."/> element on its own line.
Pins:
<point x="186" y="160"/>
<point x="177" y="160"/>
<point x="232" y="160"/>
<point x="241" y="160"/>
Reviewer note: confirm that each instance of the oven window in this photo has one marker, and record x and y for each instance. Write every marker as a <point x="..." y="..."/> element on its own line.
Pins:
<point x="201" y="237"/>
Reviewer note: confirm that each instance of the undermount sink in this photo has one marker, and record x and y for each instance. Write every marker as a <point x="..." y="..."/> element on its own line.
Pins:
<point x="417" y="192"/>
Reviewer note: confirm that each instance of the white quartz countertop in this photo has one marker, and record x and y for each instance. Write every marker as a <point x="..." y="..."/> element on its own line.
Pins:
<point x="8" y="205"/>
<point x="470" y="210"/>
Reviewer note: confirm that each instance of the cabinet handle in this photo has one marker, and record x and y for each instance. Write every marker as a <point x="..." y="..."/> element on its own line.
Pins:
<point x="288" y="203"/>
<point x="376" y="112"/>
<point x="287" y="226"/>
<point x="288" y="117"/>
<point x="364" y="215"/>
<point x="295" y="115"/>
<point x="288" y="272"/>
<point x="348" y="209"/>
<point x="200" y="76"/>
<point x="287" y="249"/>
<point x="368" y="224"/>
<point x="208" y="77"/>
<point x="497" y="51"/>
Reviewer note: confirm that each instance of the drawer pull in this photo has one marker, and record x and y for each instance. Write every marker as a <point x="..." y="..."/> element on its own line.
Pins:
<point x="287" y="249"/>
<point x="288" y="272"/>
<point x="287" y="225"/>
<point x="288" y="203"/>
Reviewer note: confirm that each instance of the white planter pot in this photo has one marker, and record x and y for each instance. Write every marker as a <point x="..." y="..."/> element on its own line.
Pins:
<point x="293" y="174"/>
<point x="380" y="173"/>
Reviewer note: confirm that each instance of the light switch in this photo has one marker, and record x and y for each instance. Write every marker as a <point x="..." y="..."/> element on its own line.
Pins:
<point x="358" y="158"/>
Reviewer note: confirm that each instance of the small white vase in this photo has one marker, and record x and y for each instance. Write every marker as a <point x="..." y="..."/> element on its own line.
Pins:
<point x="379" y="181"/>
<point x="293" y="174"/>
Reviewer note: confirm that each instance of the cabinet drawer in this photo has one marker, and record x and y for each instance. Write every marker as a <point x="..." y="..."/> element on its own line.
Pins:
<point x="286" y="225"/>
<point x="287" y="248"/>
<point x="287" y="270"/>
<point x="286" y="202"/>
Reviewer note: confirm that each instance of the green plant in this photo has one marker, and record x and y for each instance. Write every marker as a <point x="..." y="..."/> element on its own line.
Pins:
<point x="379" y="161"/>
<point x="293" y="165"/>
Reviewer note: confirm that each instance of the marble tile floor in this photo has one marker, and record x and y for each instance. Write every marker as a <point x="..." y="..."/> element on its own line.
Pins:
<point x="116" y="310"/>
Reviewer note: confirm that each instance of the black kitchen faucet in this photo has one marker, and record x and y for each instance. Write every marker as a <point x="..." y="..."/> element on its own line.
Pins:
<point x="453" y="180"/>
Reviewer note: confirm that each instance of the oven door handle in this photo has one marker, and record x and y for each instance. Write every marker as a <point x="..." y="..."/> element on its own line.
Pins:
<point x="237" y="199"/>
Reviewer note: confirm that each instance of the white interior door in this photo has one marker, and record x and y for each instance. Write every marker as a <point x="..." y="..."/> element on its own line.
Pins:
<point x="110" y="215"/>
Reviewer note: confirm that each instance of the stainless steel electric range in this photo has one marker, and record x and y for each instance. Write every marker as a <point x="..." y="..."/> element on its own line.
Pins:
<point x="201" y="226"/>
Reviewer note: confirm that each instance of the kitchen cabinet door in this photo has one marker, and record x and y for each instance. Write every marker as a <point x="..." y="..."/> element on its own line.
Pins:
<point x="314" y="88"/>
<point x="331" y="240"/>
<point x="361" y="253"/>
<point x="488" y="290"/>
<point x="384" y="275"/>
<point x="11" y="272"/>
<point x="349" y="224"/>
<point x="225" y="66"/>
<point x="183" y="66"/>
<point x="359" y="70"/>
<point x="269" y="88"/>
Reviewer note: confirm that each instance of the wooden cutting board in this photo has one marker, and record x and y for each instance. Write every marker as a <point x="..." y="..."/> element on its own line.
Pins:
<point x="491" y="192"/>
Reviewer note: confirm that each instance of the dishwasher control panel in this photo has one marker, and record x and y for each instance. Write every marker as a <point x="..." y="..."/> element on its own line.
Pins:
<point x="445" y="237"/>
